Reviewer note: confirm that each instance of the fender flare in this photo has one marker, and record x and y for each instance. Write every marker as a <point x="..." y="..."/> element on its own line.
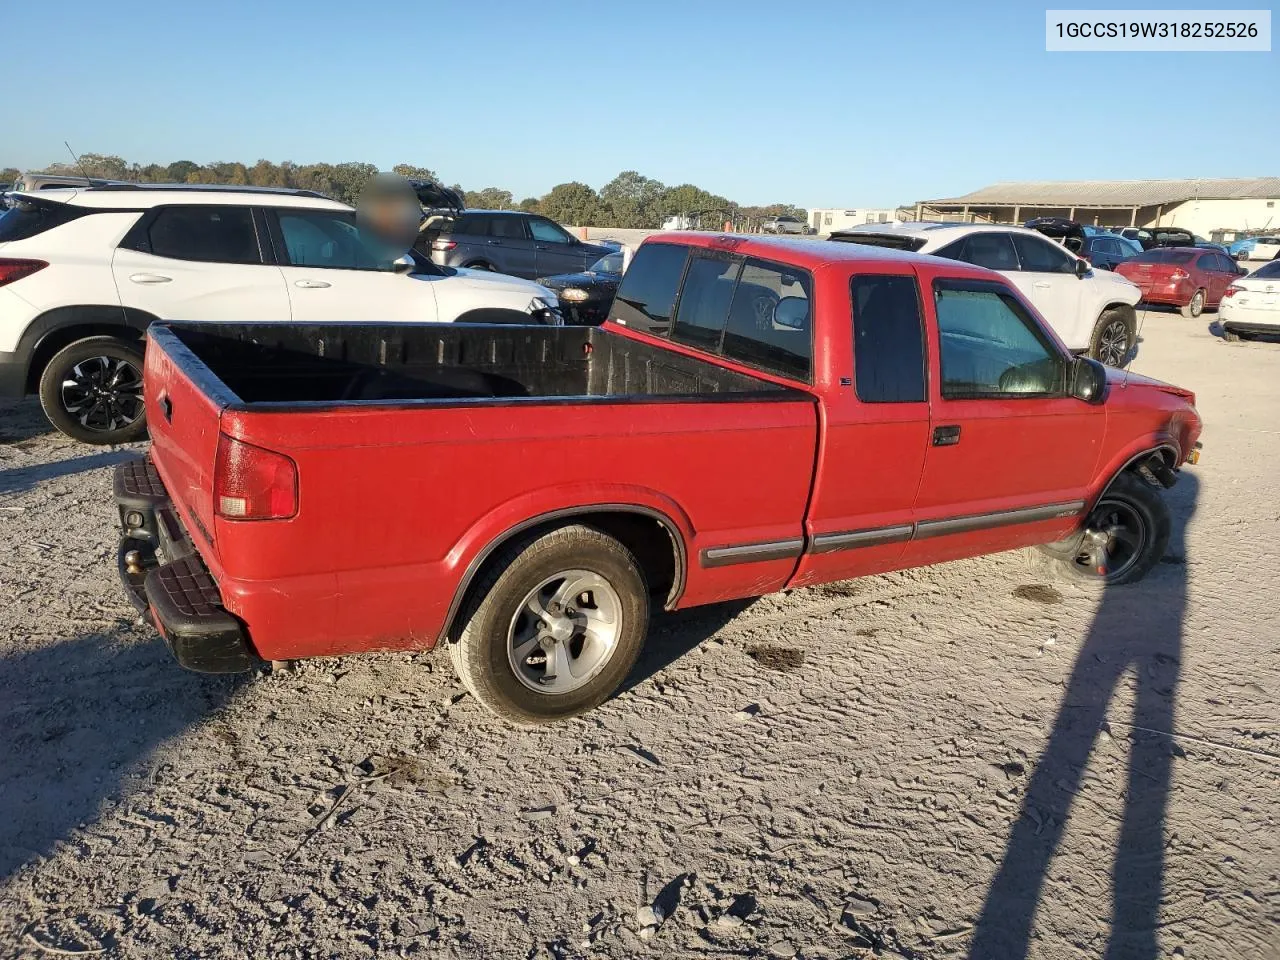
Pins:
<point x="1165" y="446"/>
<point x="479" y="543"/>
<point x="93" y="318"/>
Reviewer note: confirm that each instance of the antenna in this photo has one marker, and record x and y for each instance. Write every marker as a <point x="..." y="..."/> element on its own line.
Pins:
<point x="77" y="160"/>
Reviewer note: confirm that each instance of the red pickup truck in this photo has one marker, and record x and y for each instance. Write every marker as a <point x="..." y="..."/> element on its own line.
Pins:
<point x="756" y="415"/>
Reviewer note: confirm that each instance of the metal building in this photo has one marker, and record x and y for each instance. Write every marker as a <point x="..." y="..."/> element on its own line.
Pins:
<point x="1205" y="207"/>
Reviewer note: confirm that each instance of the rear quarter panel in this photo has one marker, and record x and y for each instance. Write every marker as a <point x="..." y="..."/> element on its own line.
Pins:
<point x="394" y="503"/>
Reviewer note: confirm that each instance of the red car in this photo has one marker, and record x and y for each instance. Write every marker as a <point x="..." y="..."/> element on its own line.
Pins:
<point x="756" y="415"/>
<point x="1190" y="278"/>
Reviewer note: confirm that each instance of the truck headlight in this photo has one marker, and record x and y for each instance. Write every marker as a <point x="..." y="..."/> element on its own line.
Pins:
<point x="574" y="294"/>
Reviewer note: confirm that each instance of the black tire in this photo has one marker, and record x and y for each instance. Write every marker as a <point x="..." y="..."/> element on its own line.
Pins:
<point x="1195" y="307"/>
<point x="106" y="364"/>
<point x="1103" y="345"/>
<point x="1138" y="502"/>
<point x="480" y="649"/>
<point x="1230" y="336"/>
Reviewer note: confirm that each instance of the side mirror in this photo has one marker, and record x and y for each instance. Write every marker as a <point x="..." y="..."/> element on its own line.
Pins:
<point x="1082" y="267"/>
<point x="404" y="264"/>
<point x="791" y="313"/>
<point x="1088" y="380"/>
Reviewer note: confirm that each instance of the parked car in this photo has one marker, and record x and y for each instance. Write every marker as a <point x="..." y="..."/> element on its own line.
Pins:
<point x="1263" y="248"/>
<point x="1210" y="245"/>
<point x="84" y="272"/>
<point x="31" y="182"/>
<point x="1101" y="248"/>
<point x="585" y="297"/>
<point x="1251" y="305"/>
<point x="1184" y="277"/>
<point x="1160" y="237"/>
<point x="1091" y="310"/>
<point x="756" y="415"/>
<point x="1105" y="251"/>
<point x="784" y="224"/>
<point x="511" y="242"/>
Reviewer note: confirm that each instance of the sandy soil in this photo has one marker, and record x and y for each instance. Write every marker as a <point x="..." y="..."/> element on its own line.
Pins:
<point x="970" y="760"/>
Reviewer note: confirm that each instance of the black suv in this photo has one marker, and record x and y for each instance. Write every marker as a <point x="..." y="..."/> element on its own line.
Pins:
<point x="508" y="241"/>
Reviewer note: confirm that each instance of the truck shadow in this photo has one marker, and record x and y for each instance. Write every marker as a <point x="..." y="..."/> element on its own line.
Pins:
<point x="21" y="479"/>
<point x="80" y="718"/>
<point x="672" y="635"/>
<point x="1135" y="640"/>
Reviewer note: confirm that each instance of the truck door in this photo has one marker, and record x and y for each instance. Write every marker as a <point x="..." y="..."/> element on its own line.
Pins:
<point x="1010" y="453"/>
<point x="876" y="433"/>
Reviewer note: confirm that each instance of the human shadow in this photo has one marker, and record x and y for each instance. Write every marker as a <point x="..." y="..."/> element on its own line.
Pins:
<point x="672" y="635"/>
<point x="20" y="479"/>
<point x="1136" y="633"/>
<point x="79" y="719"/>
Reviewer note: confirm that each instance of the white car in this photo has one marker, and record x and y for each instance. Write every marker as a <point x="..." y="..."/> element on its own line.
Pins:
<point x="1092" y="311"/>
<point x="1251" y="305"/>
<point x="84" y="272"/>
<point x="1265" y="248"/>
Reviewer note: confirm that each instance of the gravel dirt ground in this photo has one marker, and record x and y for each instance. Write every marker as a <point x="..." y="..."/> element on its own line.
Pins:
<point x="969" y="760"/>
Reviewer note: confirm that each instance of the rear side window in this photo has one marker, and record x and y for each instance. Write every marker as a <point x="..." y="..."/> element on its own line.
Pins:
<point x="888" y="339"/>
<point x="770" y="322"/>
<point x="512" y="228"/>
<point x="28" y="218"/>
<point x="704" y="302"/>
<point x="991" y="250"/>
<point x="472" y="224"/>
<point x="214" y="234"/>
<point x="648" y="291"/>
<point x="1164" y="255"/>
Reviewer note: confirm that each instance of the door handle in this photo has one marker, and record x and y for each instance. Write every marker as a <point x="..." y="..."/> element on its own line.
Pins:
<point x="149" y="278"/>
<point x="494" y="243"/>
<point x="311" y="284"/>
<point x="1043" y="285"/>
<point x="947" y="436"/>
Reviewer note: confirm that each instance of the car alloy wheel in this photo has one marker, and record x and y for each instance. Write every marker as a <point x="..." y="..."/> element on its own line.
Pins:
<point x="564" y="632"/>
<point x="1113" y="540"/>
<point x="1113" y="343"/>
<point x="103" y="393"/>
<point x="1196" y="306"/>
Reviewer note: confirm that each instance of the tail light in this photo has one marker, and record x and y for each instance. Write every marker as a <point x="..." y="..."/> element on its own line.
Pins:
<point x="1232" y="290"/>
<point x="11" y="270"/>
<point x="1178" y="275"/>
<point x="250" y="483"/>
<point x="443" y="245"/>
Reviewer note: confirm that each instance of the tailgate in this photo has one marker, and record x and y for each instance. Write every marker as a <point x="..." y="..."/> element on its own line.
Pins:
<point x="183" y="422"/>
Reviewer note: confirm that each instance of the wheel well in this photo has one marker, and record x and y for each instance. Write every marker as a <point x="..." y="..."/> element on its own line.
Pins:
<point x="652" y="540"/>
<point x="61" y="337"/>
<point x="473" y="264"/>
<point x="1126" y="309"/>
<point x="494" y="315"/>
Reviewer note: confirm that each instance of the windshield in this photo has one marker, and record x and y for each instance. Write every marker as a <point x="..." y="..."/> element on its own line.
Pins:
<point x="1164" y="256"/>
<point x="609" y="263"/>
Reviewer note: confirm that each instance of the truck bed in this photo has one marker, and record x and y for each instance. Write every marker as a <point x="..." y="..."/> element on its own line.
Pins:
<point x="289" y="364"/>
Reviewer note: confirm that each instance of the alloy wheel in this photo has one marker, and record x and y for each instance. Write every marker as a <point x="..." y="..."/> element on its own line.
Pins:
<point x="1114" y="537"/>
<point x="103" y="393"/>
<point x="1113" y="343"/>
<point x="564" y="632"/>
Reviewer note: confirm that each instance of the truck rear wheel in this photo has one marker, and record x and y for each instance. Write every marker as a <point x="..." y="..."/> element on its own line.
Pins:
<point x="91" y="390"/>
<point x="553" y="627"/>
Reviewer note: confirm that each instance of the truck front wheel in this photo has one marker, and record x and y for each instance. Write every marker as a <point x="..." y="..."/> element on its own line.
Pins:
<point x="553" y="627"/>
<point x="1124" y="536"/>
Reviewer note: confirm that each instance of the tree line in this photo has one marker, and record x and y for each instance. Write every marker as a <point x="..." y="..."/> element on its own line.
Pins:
<point x="628" y="200"/>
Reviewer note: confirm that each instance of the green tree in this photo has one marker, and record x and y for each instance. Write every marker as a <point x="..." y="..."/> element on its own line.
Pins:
<point x="687" y="200"/>
<point x="631" y="200"/>
<point x="410" y="172"/>
<point x="9" y="174"/>
<point x="178" y="171"/>
<point x="490" y="198"/>
<point x="574" y="204"/>
<point x="530" y="205"/>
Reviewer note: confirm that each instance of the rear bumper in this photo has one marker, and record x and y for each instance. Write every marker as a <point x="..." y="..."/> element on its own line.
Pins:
<point x="168" y="582"/>
<point x="1253" y="327"/>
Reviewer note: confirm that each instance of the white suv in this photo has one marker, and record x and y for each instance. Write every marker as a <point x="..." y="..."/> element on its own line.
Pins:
<point x="84" y="272"/>
<point x="1090" y="310"/>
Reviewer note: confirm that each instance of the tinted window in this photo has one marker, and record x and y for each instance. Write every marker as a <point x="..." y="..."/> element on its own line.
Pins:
<point x="989" y="344"/>
<point x="473" y="224"/>
<point x="704" y="302"/>
<point x="991" y="250"/>
<point x="545" y="231"/>
<point x="1161" y="255"/>
<point x="1207" y="261"/>
<point x="1040" y="256"/>
<point x="1129" y="248"/>
<point x="648" y="291"/>
<point x="315" y="238"/>
<point x="27" y="218"/>
<point x="1268" y="271"/>
<point x="218" y="234"/>
<point x="770" y="320"/>
<point x="1225" y="264"/>
<point x="888" y="340"/>
<point x="510" y="227"/>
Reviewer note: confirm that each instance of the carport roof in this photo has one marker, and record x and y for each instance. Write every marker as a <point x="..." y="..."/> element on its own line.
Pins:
<point x="1115" y="193"/>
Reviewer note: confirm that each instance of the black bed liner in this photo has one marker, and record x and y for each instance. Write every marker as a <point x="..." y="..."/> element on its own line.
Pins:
<point x="333" y="363"/>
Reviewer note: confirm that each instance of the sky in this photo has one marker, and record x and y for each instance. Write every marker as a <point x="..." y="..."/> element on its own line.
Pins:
<point x="817" y="103"/>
